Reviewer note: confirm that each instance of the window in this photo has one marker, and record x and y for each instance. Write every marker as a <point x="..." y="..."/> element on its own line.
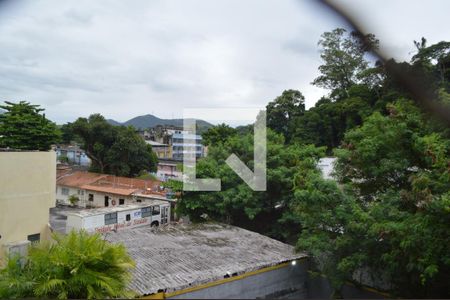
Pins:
<point x="106" y="201"/>
<point x="65" y="191"/>
<point x="34" y="237"/>
<point x="80" y="192"/>
<point x="91" y="197"/>
<point x="128" y="217"/>
<point x="111" y="218"/>
<point x="139" y="200"/>
<point x="155" y="210"/>
<point x="146" y="212"/>
<point x="121" y="201"/>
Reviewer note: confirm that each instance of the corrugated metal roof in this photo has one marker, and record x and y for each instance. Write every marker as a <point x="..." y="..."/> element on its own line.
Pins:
<point x="178" y="256"/>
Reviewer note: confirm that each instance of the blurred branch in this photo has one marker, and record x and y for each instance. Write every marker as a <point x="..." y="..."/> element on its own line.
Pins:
<point x="422" y="97"/>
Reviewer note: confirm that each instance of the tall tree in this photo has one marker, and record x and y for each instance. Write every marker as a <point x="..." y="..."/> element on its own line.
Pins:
<point x="437" y="55"/>
<point x="283" y="110"/>
<point x="343" y="56"/>
<point x="393" y="218"/>
<point x="217" y="134"/>
<point x="114" y="149"/>
<point x="22" y="126"/>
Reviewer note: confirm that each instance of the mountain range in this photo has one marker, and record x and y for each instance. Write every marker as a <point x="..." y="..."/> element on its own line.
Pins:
<point x="148" y="121"/>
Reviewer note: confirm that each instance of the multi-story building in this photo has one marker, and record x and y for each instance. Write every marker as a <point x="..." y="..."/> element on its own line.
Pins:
<point x="169" y="169"/>
<point x="162" y="151"/>
<point x="27" y="192"/>
<point x="186" y="144"/>
<point x="170" y="142"/>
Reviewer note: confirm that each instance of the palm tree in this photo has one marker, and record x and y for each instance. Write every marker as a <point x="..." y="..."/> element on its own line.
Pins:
<point x="78" y="265"/>
<point x="15" y="282"/>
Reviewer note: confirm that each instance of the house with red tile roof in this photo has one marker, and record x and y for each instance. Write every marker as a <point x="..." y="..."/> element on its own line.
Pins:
<point x="103" y="190"/>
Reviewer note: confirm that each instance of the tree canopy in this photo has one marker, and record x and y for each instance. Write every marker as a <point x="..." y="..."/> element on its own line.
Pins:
<point x="282" y="111"/>
<point x="388" y="211"/>
<point x="23" y="127"/>
<point x="217" y="134"/>
<point x="344" y="62"/>
<point x="114" y="150"/>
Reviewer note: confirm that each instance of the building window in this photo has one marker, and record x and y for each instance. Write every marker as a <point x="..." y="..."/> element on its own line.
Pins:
<point x="91" y="197"/>
<point x="139" y="200"/>
<point x="121" y="201"/>
<point x="106" y="201"/>
<point x="111" y="218"/>
<point x="65" y="191"/>
<point x="80" y="192"/>
<point x="146" y="212"/>
<point x="155" y="210"/>
<point x="34" y="237"/>
<point x="128" y="217"/>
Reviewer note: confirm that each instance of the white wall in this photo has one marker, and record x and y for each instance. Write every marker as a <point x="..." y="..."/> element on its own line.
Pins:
<point x="64" y="199"/>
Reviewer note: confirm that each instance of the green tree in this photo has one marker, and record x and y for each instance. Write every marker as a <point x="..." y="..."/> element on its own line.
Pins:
<point x="22" y="126"/>
<point x="129" y="154"/>
<point x="283" y="110"/>
<point x="76" y="266"/>
<point x="343" y="56"/>
<point x="217" y="134"/>
<point x="114" y="149"/>
<point x="392" y="218"/>
<point x="237" y="203"/>
<point x="68" y="135"/>
<point x="435" y="57"/>
<point x="326" y="123"/>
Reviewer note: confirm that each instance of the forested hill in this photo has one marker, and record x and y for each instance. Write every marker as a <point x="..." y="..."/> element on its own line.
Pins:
<point x="148" y="121"/>
<point x="389" y="211"/>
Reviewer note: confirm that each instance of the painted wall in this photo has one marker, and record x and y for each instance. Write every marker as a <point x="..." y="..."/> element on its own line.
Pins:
<point x="27" y="191"/>
<point x="99" y="199"/>
<point x="83" y="195"/>
<point x="64" y="199"/>
<point x="285" y="282"/>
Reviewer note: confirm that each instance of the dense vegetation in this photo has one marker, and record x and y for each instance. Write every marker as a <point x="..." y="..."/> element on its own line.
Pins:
<point x="76" y="266"/>
<point x="112" y="149"/>
<point x="23" y="127"/>
<point x="117" y="150"/>
<point x="388" y="213"/>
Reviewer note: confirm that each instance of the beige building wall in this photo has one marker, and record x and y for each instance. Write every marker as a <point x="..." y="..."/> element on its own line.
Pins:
<point x="27" y="192"/>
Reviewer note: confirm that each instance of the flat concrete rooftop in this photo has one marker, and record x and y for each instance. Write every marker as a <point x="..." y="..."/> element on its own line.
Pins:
<point x="178" y="256"/>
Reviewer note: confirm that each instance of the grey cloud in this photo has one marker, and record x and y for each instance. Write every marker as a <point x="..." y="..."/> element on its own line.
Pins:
<point x="128" y="58"/>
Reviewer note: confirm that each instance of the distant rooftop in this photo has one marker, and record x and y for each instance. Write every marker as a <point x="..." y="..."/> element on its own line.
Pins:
<point x="108" y="183"/>
<point x="178" y="256"/>
<point x="153" y="143"/>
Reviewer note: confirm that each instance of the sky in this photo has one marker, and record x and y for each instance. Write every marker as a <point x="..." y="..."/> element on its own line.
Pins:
<point x="129" y="58"/>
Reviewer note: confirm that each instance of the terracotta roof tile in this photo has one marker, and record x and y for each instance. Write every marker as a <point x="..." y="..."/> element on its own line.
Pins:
<point x="78" y="179"/>
<point x="110" y="183"/>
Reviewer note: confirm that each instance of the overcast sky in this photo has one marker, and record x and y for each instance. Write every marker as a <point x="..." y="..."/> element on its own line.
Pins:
<point x="128" y="58"/>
